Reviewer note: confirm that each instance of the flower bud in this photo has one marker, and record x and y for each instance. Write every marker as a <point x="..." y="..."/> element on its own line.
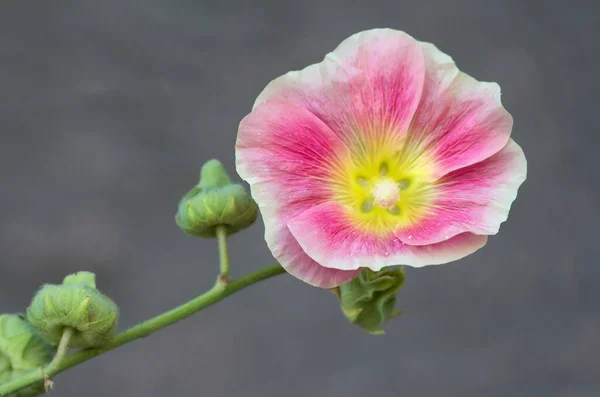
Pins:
<point x="213" y="202"/>
<point x="83" y="278"/>
<point x="76" y="303"/>
<point x="22" y="349"/>
<point x="369" y="300"/>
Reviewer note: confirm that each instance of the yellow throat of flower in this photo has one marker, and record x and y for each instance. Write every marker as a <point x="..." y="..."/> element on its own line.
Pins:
<point x="383" y="188"/>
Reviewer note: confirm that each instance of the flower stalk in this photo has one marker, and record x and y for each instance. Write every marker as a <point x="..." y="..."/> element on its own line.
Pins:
<point x="209" y="298"/>
<point x="63" y="347"/>
<point x="61" y="352"/>
<point x="221" y="231"/>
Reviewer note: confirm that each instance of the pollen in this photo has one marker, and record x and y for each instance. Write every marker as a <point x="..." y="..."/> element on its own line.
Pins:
<point x="386" y="193"/>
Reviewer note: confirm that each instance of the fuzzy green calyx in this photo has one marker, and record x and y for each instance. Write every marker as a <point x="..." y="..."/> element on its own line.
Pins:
<point x="213" y="202"/>
<point x="22" y="349"/>
<point x="76" y="303"/>
<point x="369" y="300"/>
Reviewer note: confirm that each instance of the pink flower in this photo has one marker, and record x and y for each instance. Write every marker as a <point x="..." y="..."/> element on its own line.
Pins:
<point x="383" y="154"/>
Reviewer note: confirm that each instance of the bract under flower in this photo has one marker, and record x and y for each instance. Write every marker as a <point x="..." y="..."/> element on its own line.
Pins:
<point x="382" y="154"/>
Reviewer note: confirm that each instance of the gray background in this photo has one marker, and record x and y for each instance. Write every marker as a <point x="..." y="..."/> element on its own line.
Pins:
<point x="110" y="107"/>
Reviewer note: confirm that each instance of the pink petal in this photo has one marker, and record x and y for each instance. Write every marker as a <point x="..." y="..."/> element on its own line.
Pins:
<point x="296" y="262"/>
<point x="328" y="235"/>
<point x="287" y="155"/>
<point x="475" y="199"/>
<point x="368" y="87"/>
<point x="459" y="121"/>
<point x="288" y="145"/>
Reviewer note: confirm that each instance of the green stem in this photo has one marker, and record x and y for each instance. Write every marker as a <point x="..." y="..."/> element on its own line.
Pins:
<point x="223" y="253"/>
<point x="61" y="351"/>
<point x="209" y="298"/>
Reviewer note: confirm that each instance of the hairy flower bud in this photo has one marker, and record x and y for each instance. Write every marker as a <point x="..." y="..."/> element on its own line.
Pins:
<point x="76" y="303"/>
<point x="369" y="300"/>
<point x="213" y="202"/>
<point x="22" y="349"/>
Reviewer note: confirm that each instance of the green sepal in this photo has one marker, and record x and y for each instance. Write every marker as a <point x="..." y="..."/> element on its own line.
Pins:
<point x="85" y="278"/>
<point x="76" y="304"/>
<point x="215" y="201"/>
<point x="369" y="299"/>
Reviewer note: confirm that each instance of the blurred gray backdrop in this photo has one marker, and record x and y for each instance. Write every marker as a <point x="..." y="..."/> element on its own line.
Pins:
<point x="109" y="108"/>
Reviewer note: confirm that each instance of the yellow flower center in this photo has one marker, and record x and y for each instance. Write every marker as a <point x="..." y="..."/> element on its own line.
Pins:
<point x="383" y="185"/>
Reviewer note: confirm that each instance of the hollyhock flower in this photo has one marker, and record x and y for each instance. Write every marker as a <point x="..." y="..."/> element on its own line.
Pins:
<point x="382" y="154"/>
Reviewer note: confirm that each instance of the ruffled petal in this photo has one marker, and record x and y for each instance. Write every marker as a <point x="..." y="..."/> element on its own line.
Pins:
<point x="475" y="199"/>
<point x="285" y="142"/>
<point x="287" y="156"/>
<point x="460" y="121"/>
<point x="328" y="234"/>
<point x="291" y="256"/>
<point x="367" y="89"/>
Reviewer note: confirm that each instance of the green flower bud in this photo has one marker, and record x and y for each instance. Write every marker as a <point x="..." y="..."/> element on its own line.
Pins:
<point x="83" y="278"/>
<point x="76" y="303"/>
<point x="369" y="300"/>
<point x="215" y="201"/>
<point x="22" y="349"/>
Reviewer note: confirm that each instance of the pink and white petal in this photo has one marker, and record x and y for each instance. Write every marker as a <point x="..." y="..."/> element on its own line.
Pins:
<point x="286" y="144"/>
<point x="328" y="235"/>
<point x="287" y="155"/>
<point x="460" y="121"/>
<point x="475" y="199"/>
<point x="294" y="260"/>
<point x="369" y="86"/>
